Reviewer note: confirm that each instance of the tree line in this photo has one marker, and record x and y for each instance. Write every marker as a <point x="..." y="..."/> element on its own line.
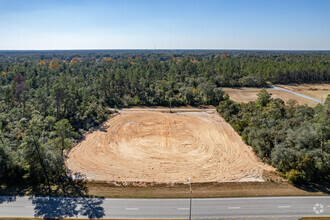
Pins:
<point x="49" y="99"/>
<point x="293" y="138"/>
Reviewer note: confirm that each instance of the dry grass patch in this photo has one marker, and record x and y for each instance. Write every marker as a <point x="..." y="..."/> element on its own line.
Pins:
<point x="317" y="91"/>
<point x="200" y="190"/>
<point x="250" y="94"/>
<point x="316" y="218"/>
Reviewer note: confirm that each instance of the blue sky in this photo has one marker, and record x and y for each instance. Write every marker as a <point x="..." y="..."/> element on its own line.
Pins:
<point x="165" y="24"/>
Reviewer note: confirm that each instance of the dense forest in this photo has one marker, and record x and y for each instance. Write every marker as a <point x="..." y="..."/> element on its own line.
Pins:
<point x="293" y="138"/>
<point x="48" y="99"/>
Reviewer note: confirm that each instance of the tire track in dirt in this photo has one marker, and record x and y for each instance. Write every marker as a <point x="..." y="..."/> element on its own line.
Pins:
<point x="166" y="148"/>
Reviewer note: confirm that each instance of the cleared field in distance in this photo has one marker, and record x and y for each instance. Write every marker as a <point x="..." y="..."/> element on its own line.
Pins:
<point x="318" y="91"/>
<point x="250" y="94"/>
<point x="166" y="148"/>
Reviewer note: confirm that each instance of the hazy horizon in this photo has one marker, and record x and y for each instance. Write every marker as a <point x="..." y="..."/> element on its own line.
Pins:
<point x="170" y="49"/>
<point x="165" y="25"/>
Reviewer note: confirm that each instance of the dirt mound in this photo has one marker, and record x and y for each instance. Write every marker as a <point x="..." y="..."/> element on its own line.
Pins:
<point x="166" y="148"/>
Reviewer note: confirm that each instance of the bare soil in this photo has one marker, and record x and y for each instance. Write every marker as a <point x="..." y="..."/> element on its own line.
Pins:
<point x="155" y="147"/>
<point x="250" y="94"/>
<point x="203" y="107"/>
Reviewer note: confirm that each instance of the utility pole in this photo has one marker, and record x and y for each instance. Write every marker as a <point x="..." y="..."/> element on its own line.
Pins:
<point x="190" y="199"/>
<point x="170" y="105"/>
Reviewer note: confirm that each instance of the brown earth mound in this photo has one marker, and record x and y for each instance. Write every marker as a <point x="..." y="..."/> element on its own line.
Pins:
<point x="165" y="148"/>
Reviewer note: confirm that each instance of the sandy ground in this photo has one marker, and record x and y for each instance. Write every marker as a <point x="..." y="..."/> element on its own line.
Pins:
<point x="250" y="94"/>
<point x="173" y="108"/>
<point x="166" y="148"/>
<point x="318" y="91"/>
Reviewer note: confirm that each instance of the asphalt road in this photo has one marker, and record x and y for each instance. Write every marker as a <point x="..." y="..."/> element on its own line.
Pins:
<point x="217" y="208"/>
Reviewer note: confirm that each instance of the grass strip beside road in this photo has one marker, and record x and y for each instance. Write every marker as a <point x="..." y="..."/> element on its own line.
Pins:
<point x="315" y="218"/>
<point x="152" y="190"/>
<point x="204" y="190"/>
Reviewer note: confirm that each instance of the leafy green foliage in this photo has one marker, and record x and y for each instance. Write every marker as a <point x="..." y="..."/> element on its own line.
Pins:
<point x="63" y="132"/>
<point x="263" y="98"/>
<point x="294" y="139"/>
<point x="49" y="99"/>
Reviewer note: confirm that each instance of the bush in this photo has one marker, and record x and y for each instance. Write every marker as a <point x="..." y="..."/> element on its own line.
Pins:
<point x="295" y="176"/>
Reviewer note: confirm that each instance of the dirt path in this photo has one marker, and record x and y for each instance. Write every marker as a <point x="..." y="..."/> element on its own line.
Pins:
<point x="166" y="148"/>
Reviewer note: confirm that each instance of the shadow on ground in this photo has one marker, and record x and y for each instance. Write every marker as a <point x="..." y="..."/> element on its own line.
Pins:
<point x="69" y="198"/>
<point x="7" y="199"/>
<point x="316" y="187"/>
<point x="52" y="207"/>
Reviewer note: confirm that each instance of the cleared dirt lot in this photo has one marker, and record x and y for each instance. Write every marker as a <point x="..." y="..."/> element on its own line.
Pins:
<point x="318" y="91"/>
<point x="250" y="94"/>
<point x="166" y="148"/>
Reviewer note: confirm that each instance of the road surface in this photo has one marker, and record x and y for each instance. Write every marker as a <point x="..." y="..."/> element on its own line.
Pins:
<point x="216" y="208"/>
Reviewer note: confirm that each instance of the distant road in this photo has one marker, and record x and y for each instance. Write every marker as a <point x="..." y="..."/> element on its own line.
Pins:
<point x="295" y="93"/>
<point x="216" y="208"/>
<point x="213" y="109"/>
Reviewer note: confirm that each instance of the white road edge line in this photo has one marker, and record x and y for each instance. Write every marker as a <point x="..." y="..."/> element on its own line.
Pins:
<point x="237" y="207"/>
<point x="283" y="206"/>
<point x="182" y="208"/>
<point x="132" y="209"/>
